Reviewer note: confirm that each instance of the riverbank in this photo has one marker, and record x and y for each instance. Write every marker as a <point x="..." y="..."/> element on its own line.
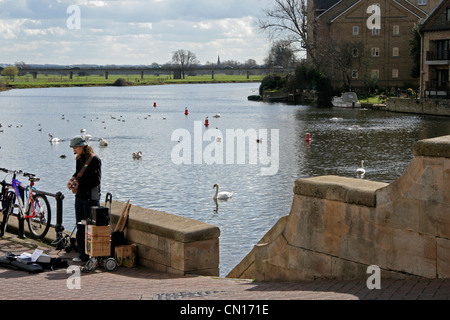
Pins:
<point x="53" y="81"/>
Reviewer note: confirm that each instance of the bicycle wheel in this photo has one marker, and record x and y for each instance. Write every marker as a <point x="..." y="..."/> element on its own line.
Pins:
<point x="7" y="211"/>
<point x="40" y="223"/>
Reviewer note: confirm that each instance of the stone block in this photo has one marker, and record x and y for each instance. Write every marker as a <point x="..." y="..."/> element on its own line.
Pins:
<point x="443" y="258"/>
<point x="312" y="265"/>
<point x="193" y="256"/>
<point x="170" y="243"/>
<point x="435" y="219"/>
<point x="347" y="270"/>
<point x="435" y="147"/>
<point x="413" y="253"/>
<point x="405" y="214"/>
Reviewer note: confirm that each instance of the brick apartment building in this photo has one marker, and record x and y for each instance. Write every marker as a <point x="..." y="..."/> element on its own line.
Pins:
<point x="435" y="52"/>
<point x="376" y="40"/>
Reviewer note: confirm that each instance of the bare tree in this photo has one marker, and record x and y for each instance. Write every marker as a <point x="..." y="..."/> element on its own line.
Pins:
<point x="290" y="20"/>
<point x="281" y="54"/>
<point x="349" y="57"/>
<point x="185" y="60"/>
<point x="287" y="20"/>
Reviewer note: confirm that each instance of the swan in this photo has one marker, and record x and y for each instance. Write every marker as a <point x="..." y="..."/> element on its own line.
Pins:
<point x="361" y="170"/>
<point x="86" y="137"/>
<point x="137" y="155"/>
<point x="53" y="139"/>
<point x="221" y="195"/>
<point x="217" y="115"/>
<point x="103" y="142"/>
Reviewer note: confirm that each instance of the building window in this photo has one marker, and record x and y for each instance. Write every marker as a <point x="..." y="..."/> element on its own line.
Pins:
<point x="355" y="52"/>
<point x="396" y="30"/>
<point x="394" y="73"/>
<point x="448" y="14"/>
<point x="354" y="74"/>
<point x="375" y="52"/>
<point x="395" y="52"/>
<point x="422" y="2"/>
<point x="375" y="73"/>
<point x="355" y="30"/>
<point x="375" y="32"/>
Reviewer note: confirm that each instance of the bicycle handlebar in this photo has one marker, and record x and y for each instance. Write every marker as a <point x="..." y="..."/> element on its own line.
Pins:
<point x="25" y="174"/>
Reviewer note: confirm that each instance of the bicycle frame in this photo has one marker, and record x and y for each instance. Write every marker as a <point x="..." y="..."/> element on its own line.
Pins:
<point x="16" y="184"/>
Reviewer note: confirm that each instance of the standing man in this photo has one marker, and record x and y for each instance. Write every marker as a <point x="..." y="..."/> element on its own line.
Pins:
<point x="85" y="183"/>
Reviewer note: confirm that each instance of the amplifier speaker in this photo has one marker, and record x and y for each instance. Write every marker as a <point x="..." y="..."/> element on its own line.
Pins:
<point x="99" y="216"/>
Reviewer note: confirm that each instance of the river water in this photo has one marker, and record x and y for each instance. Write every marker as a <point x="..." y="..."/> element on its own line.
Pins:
<point x="262" y="186"/>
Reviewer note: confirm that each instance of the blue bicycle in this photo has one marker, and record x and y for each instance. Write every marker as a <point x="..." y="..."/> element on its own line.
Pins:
<point x="31" y="205"/>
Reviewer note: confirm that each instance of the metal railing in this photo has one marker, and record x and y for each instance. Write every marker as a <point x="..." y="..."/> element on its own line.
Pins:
<point x="438" y="89"/>
<point x="438" y="55"/>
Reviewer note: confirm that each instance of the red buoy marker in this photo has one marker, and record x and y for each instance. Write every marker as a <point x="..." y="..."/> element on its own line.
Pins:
<point x="206" y="122"/>
<point x="154" y="104"/>
<point x="308" y="137"/>
<point x="186" y="112"/>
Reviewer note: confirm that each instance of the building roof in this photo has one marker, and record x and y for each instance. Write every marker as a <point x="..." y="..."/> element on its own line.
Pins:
<point x="334" y="11"/>
<point x="437" y="20"/>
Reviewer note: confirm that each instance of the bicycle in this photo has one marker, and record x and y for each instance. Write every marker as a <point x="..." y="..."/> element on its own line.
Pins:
<point x="36" y="209"/>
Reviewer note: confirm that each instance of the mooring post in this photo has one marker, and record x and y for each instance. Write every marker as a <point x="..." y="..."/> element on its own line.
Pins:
<point x="59" y="228"/>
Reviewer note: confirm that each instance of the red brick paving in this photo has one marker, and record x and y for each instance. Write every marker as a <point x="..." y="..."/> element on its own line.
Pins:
<point x="142" y="284"/>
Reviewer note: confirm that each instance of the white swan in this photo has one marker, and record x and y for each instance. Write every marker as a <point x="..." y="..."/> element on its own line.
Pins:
<point x="221" y="195"/>
<point x="361" y="170"/>
<point x="103" y="142"/>
<point x="217" y="115"/>
<point x="53" y="139"/>
<point x="137" y="155"/>
<point x="86" y="137"/>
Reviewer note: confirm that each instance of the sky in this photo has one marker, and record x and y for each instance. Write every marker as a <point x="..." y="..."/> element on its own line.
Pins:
<point x="133" y="32"/>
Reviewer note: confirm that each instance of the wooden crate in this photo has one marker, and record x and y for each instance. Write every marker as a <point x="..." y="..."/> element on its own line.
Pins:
<point x="97" y="232"/>
<point x="98" y="248"/>
<point x="98" y="241"/>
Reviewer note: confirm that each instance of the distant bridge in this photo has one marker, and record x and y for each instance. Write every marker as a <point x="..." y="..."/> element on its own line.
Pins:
<point x="177" y="72"/>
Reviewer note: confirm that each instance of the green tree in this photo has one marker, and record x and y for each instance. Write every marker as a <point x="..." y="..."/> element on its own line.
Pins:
<point x="307" y="77"/>
<point x="10" y="72"/>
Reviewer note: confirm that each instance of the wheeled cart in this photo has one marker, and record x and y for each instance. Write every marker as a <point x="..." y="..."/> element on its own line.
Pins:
<point x="109" y="263"/>
<point x="98" y="247"/>
<point x="98" y="238"/>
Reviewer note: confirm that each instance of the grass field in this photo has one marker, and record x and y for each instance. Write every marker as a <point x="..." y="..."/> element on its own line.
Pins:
<point x="54" y="80"/>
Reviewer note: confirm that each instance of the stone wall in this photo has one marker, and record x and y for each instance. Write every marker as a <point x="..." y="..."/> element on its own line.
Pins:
<point x="171" y="243"/>
<point x="439" y="107"/>
<point x="339" y="226"/>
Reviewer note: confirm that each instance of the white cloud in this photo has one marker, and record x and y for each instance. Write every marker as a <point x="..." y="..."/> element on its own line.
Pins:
<point x="131" y="31"/>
